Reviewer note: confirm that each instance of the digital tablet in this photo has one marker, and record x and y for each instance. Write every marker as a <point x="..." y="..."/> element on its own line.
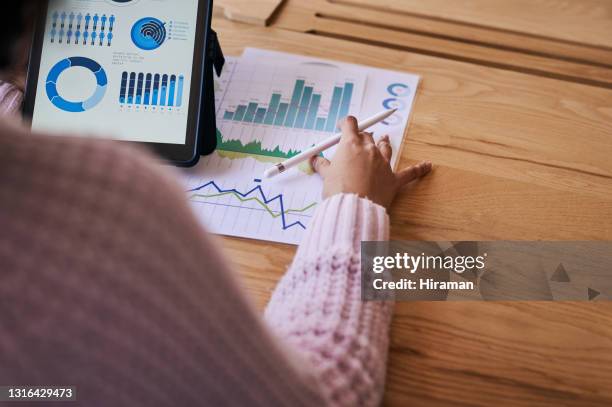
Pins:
<point x="130" y="70"/>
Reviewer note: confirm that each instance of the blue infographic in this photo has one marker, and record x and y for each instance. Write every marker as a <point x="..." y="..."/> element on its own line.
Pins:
<point x="82" y="29"/>
<point x="120" y="69"/>
<point x="79" y="106"/>
<point x="398" y="89"/>
<point x="151" y="89"/>
<point x="149" y="33"/>
<point x="400" y="93"/>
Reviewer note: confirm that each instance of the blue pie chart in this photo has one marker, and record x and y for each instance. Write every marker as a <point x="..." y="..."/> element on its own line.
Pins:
<point x="79" y="106"/>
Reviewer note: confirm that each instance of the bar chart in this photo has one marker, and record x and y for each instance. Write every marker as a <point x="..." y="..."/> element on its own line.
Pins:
<point x="267" y="112"/>
<point x="155" y="90"/>
<point x="302" y="110"/>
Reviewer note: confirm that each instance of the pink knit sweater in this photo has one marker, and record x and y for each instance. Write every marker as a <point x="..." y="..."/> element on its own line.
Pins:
<point x="109" y="284"/>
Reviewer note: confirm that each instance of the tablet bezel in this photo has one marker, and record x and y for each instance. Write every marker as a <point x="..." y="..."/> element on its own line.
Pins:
<point x="186" y="154"/>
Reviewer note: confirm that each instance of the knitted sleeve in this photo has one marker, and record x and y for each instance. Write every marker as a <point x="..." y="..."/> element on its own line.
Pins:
<point x="124" y="238"/>
<point x="109" y="284"/>
<point x="317" y="306"/>
<point x="10" y="99"/>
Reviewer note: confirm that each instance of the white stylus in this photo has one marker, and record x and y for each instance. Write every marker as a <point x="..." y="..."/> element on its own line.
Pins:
<point x="324" y="145"/>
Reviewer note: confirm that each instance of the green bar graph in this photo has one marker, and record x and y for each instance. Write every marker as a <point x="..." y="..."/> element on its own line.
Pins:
<point x="301" y="110"/>
<point x="280" y="115"/>
<point x="260" y="115"/>
<point x="240" y="111"/>
<point x="347" y="94"/>
<point x="250" y="113"/>
<point x="320" y="126"/>
<point x="312" y="112"/>
<point x="294" y="105"/>
<point x="272" y="108"/>
<point x="332" y="119"/>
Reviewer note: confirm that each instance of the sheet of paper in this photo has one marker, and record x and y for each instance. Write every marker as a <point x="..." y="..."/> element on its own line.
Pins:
<point x="385" y="89"/>
<point x="270" y="107"/>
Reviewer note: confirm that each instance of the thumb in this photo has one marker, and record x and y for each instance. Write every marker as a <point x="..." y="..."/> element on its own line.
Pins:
<point x="319" y="165"/>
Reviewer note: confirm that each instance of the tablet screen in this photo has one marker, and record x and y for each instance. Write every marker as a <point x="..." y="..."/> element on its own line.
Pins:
<point x="118" y="69"/>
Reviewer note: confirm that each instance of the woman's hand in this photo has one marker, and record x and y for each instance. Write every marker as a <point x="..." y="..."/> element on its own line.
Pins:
<point x="362" y="167"/>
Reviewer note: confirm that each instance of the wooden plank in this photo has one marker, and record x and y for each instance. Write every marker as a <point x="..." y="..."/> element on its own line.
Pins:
<point x="586" y="22"/>
<point x="500" y="58"/>
<point x="453" y="30"/>
<point x="517" y="157"/>
<point x="343" y="22"/>
<point x="258" y="12"/>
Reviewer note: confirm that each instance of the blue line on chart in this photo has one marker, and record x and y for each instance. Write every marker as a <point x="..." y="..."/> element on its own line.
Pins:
<point x="263" y="195"/>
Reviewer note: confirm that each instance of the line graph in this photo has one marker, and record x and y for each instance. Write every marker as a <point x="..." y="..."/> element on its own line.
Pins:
<point x="265" y="128"/>
<point x="251" y="196"/>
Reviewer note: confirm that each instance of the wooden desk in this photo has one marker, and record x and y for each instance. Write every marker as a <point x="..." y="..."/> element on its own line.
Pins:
<point x="563" y="39"/>
<point x="518" y="156"/>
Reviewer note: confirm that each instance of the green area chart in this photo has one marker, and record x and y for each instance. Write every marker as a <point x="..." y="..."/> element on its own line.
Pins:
<point x="236" y="149"/>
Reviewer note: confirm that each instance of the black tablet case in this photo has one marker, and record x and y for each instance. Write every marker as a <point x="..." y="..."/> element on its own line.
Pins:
<point x="214" y="61"/>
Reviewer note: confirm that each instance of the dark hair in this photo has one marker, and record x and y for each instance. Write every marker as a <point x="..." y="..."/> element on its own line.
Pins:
<point x="19" y="17"/>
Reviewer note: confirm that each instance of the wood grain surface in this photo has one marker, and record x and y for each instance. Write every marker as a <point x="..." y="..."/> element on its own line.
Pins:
<point x="370" y="22"/>
<point x="258" y="12"/>
<point x="577" y="21"/>
<point x="517" y="156"/>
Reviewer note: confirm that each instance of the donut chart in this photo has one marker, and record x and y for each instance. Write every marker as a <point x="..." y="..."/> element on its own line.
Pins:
<point x="393" y="103"/>
<point x="398" y="89"/>
<point x="76" y="107"/>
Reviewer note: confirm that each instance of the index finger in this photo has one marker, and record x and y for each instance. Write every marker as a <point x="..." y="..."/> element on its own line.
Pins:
<point x="350" y="128"/>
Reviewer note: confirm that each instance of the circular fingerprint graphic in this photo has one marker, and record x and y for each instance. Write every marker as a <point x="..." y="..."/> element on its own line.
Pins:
<point x="122" y="2"/>
<point x="149" y="33"/>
